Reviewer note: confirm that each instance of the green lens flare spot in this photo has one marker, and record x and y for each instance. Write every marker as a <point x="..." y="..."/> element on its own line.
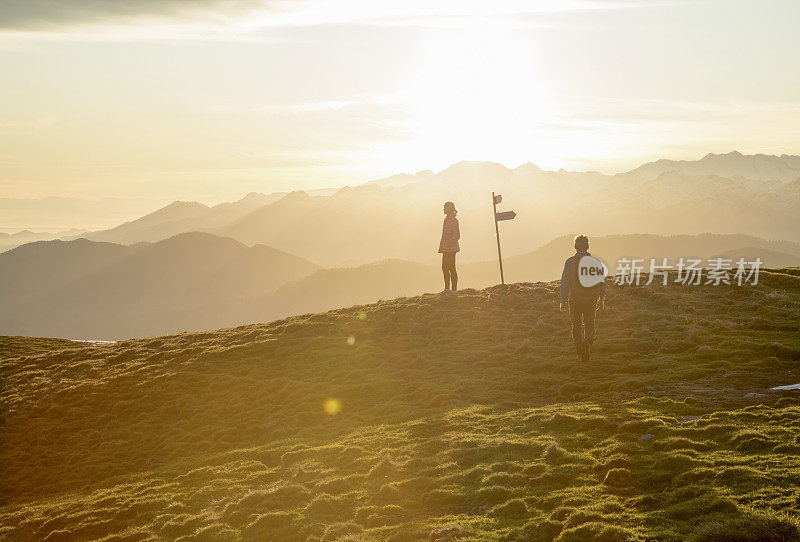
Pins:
<point x="332" y="406"/>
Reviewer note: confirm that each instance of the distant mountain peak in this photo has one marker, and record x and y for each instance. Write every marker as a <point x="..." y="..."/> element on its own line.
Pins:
<point x="297" y="194"/>
<point x="732" y="154"/>
<point x="527" y="167"/>
<point x="195" y="239"/>
<point x="477" y="163"/>
<point x="759" y="167"/>
<point x="474" y="166"/>
<point x="184" y="203"/>
<point x="253" y="195"/>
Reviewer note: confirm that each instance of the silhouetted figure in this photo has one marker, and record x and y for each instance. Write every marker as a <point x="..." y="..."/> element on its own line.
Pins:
<point x="583" y="301"/>
<point x="448" y="247"/>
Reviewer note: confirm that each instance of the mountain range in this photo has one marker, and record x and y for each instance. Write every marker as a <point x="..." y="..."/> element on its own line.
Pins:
<point x="399" y="217"/>
<point x="190" y="266"/>
<point x="11" y="240"/>
<point x="85" y="289"/>
<point x="82" y="288"/>
<point x="759" y="167"/>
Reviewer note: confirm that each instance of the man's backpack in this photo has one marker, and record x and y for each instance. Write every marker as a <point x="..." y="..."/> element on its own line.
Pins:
<point x="589" y="274"/>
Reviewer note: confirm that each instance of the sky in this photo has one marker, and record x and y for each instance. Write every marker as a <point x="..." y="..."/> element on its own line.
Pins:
<point x="211" y="99"/>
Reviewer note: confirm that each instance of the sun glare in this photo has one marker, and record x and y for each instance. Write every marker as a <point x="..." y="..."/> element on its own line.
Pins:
<point x="476" y="95"/>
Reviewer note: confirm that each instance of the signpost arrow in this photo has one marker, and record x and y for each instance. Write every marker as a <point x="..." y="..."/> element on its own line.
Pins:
<point x="505" y="215"/>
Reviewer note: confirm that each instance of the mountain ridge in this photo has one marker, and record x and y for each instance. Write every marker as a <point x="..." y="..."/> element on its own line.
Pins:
<point x="87" y="285"/>
<point x="784" y="168"/>
<point x="362" y="222"/>
<point x="202" y="281"/>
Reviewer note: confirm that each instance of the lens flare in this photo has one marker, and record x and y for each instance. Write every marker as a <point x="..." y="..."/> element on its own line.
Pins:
<point x="332" y="406"/>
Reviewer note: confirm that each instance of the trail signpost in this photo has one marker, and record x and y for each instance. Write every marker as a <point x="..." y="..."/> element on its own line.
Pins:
<point x="505" y="215"/>
<point x="499" y="217"/>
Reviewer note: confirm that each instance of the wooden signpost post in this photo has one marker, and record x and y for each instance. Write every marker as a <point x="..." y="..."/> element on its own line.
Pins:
<point x="498" y="217"/>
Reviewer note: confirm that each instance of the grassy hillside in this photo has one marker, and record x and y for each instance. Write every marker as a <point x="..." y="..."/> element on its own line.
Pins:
<point x="422" y="418"/>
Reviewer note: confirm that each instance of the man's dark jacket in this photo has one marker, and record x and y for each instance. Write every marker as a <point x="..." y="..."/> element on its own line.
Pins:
<point x="571" y="288"/>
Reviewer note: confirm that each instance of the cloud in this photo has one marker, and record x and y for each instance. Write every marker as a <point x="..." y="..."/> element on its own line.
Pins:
<point x="54" y="14"/>
<point x="34" y="15"/>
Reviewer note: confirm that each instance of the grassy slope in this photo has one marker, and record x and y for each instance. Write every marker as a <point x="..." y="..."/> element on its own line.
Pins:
<point x="460" y="419"/>
<point x="12" y="347"/>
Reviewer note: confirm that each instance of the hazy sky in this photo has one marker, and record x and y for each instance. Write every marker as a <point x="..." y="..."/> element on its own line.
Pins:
<point x="210" y="99"/>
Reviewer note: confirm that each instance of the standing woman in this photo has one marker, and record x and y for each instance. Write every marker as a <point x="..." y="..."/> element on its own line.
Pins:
<point x="448" y="247"/>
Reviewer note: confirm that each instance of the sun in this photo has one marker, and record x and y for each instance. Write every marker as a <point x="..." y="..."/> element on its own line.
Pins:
<point x="476" y="95"/>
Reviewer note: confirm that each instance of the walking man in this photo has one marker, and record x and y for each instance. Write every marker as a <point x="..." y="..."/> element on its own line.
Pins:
<point x="583" y="286"/>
